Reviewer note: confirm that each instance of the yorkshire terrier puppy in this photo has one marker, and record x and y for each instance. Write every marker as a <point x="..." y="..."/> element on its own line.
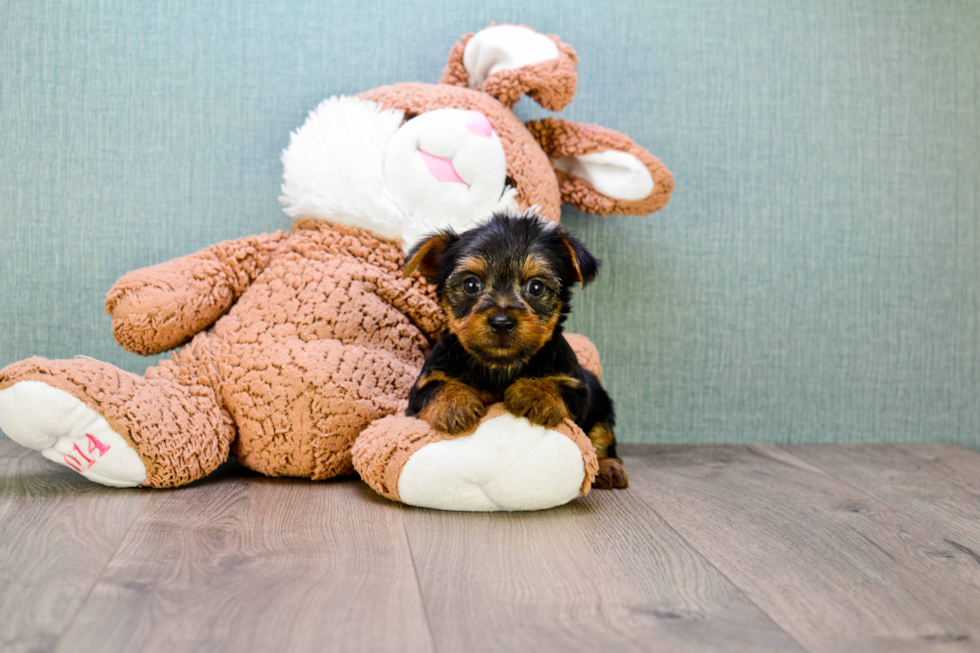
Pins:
<point x="506" y="289"/>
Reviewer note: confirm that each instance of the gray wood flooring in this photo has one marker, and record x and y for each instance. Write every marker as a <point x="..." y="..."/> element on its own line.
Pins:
<point x="757" y="548"/>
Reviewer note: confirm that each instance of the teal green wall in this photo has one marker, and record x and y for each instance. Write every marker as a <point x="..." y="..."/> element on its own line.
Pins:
<point x="814" y="279"/>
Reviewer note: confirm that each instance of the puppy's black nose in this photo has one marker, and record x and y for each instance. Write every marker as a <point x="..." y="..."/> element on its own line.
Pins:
<point x="502" y="324"/>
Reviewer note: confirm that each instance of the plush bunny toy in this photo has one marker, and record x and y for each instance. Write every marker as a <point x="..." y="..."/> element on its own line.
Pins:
<point x="299" y="347"/>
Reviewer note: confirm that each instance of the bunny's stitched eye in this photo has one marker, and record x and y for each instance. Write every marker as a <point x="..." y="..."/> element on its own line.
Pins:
<point x="535" y="288"/>
<point x="472" y="285"/>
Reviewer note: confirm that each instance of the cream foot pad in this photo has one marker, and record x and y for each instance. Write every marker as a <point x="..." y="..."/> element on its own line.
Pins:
<point x="68" y="432"/>
<point x="506" y="464"/>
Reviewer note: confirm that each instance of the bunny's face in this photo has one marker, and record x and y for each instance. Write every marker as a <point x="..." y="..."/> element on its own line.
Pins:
<point x="405" y="160"/>
<point x="448" y="166"/>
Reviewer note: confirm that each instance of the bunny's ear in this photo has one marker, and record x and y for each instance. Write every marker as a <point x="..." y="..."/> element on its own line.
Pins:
<point x="508" y="61"/>
<point x="602" y="171"/>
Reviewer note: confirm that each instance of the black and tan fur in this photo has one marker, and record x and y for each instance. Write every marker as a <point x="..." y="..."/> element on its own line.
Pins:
<point x="506" y="289"/>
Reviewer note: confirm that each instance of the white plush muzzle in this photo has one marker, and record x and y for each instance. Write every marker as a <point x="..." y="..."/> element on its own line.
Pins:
<point x="355" y="163"/>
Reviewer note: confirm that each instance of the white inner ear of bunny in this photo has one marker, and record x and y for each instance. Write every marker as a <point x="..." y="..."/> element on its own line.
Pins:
<point x="504" y="47"/>
<point x="618" y="175"/>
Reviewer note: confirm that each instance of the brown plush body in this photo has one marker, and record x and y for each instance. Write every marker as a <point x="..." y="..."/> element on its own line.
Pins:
<point x="325" y="336"/>
<point x="506" y="289"/>
<point x="297" y="350"/>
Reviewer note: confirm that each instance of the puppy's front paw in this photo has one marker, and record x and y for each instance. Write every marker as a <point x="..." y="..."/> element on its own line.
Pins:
<point x="611" y="475"/>
<point x="454" y="412"/>
<point x="539" y="400"/>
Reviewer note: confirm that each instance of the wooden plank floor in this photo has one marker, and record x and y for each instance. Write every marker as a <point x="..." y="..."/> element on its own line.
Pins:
<point x="759" y="548"/>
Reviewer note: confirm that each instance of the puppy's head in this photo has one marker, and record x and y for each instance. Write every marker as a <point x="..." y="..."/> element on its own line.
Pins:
<point x="504" y="285"/>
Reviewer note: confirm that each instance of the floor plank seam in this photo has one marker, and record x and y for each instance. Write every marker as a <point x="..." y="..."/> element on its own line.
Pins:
<point x="418" y="583"/>
<point x="871" y="548"/>
<point x="894" y="502"/>
<point x="954" y="479"/>
<point x="870" y="493"/>
<point x="98" y="578"/>
<point x="716" y="568"/>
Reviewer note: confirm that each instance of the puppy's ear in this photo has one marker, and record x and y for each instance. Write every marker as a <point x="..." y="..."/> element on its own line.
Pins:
<point x="585" y="266"/>
<point x="427" y="255"/>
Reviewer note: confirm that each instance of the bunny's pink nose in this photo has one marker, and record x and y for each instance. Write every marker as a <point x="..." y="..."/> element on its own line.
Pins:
<point x="477" y="123"/>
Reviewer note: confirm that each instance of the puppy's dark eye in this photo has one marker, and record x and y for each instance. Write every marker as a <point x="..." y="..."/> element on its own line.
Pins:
<point x="472" y="285"/>
<point x="535" y="288"/>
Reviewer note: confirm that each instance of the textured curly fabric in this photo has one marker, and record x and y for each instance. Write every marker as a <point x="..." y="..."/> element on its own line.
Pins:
<point x="327" y="339"/>
<point x="550" y="83"/>
<point x="315" y="335"/>
<point x="175" y="425"/>
<point x="585" y="352"/>
<point x="561" y="138"/>
<point x="295" y="342"/>
<point x="386" y="445"/>
<point x="383" y="448"/>
<point x="162" y="306"/>
<point x="323" y="336"/>
<point x="528" y="167"/>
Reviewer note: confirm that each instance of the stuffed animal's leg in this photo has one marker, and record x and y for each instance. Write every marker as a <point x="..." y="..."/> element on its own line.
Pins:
<point x="117" y="428"/>
<point x="506" y="463"/>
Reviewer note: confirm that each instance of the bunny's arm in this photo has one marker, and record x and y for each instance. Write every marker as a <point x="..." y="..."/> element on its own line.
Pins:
<point x="162" y="306"/>
<point x="586" y="352"/>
